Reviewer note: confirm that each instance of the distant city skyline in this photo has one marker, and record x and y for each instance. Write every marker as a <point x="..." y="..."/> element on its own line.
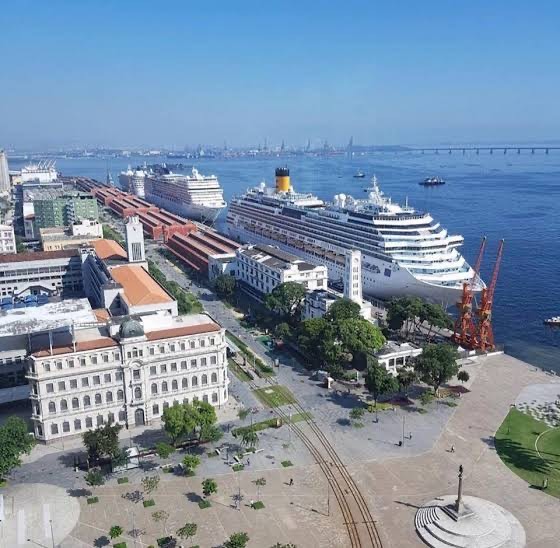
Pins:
<point x="134" y="75"/>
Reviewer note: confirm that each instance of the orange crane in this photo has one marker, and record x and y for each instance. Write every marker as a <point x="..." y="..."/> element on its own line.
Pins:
<point x="465" y="332"/>
<point x="484" y="337"/>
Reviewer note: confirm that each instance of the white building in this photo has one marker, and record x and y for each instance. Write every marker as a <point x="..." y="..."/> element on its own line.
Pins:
<point x="127" y="373"/>
<point x="43" y="172"/>
<point x="4" y="174"/>
<point x="393" y="355"/>
<point x="135" y="240"/>
<point x="72" y="237"/>
<point x="87" y="227"/>
<point x="7" y="239"/>
<point x="260" y="268"/>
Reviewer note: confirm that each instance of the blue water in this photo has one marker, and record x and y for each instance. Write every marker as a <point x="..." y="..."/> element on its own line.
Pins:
<point x="515" y="197"/>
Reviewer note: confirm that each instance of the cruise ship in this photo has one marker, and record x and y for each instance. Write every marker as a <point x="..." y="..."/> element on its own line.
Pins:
<point x="404" y="252"/>
<point x="195" y="196"/>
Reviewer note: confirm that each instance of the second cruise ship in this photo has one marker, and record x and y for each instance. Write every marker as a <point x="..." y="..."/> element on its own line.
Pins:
<point x="404" y="252"/>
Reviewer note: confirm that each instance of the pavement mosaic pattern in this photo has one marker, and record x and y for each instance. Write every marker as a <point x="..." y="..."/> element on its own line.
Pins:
<point x="542" y="402"/>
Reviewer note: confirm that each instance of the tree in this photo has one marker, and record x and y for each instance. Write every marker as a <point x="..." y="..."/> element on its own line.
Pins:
<point x="180" y="420"/>
<point x="150" y="484"/>
<point x="283" y="331"/>
<point x="356" y="413"/>
<point x="405" y="377"/>
<point x="436" y="316"/>
<point x="115" y="531"/>
<point x="317" y="340"/>
<point x="463" y="376"/>
<point x="209" y="487"/>
<point x="161" y="516"/>
<point x="437" y="364"/>
<point x="103" y="441"/>
<point x="358" y="336"/>
<point x="378" y="380"/>
<point x="187" y="531"/>
<point x="190" y="462"/>
<point x="237" y="540"/>
<point x="15" y="440"/>
<point x="404" y="310"/>
<point x="285" y="299"/>
<point x="259" y="482"/>
<point x="243" y="413"/>
<point x="210" y="433"/>
<point x="206" y="413"/>
<point x="94" y="478"/>
<point x="224" y="285"/>
<point x="343" y="309"/>
<point x="164" y="450"/>
<point x="121" y="458"/>
<point x="249" y="438"/>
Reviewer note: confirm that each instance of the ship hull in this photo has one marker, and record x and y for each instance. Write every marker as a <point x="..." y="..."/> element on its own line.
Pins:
<point x="197" y="212"/>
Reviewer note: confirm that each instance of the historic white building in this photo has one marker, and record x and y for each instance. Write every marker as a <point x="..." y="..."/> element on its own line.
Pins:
<point x="126" y="373"/>
<point x="7" y="239"/>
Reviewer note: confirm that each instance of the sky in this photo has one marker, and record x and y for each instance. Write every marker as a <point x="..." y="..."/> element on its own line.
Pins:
<point x="170" y="74"/>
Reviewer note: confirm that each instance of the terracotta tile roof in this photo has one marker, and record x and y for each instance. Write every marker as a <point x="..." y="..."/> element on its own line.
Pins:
<point x="182" y="331"/>
<point x="108" y="249"/>
<point x="38" y="256"/>
<point x="81" y="346"/>
<point x="102" y="314"/>
<point x="139" y="287"/>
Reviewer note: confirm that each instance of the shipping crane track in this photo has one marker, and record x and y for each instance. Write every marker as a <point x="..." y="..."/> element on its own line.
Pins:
<point x="341" y="486"/>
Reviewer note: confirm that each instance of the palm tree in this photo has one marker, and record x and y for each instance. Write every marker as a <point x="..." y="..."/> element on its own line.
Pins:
<point x="250" y="438"/>
<point x="406" y="377"/>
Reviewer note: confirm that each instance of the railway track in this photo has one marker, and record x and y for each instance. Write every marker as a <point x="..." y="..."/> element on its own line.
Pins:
<point x="360" y="525"/>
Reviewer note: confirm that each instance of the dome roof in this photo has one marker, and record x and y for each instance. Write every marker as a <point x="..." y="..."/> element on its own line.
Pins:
<point x="131" y="328"/>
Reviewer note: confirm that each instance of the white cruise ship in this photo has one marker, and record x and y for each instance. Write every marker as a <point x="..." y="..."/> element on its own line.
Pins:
<point x="404" y="252"/>
<point x="132" y="180"/>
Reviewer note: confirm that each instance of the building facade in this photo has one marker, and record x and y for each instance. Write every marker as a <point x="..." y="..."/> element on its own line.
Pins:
<point x="52" y="208"/>
<point x="7" y="239"/>
<point x="4" y="173"/>
<point x="394" y="356"/>
<point x="72" y="237"/>
<point x="127" y="376"/>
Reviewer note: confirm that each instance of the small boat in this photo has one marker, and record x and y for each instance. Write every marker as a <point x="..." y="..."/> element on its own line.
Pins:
<point x="555" y="320"/>
<point x="432" y="181"/>
<point x="359" y="174"/>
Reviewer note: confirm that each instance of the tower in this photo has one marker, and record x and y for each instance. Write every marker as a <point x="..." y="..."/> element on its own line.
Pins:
<point x="4" y="173"/>
<point x="135" y="240"/>
<point x="283" y="179"/>
<point x="353" y="276"/>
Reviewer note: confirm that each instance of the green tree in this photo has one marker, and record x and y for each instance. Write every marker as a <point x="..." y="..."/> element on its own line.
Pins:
<point x="180" y="421"/>
<point x="209" y="487"/>
<point x="210" y="433"/>
<point x="150" y="484"/>
<point x="161" y="516"/>
<point x="463" y="376"/>
<point x="437" y="364"/>
<point x="405" y="377"/>
<point x="243" y="413"/>
<point x="343" y="309"/>
<point x="318" y="341"/>
<point x="237" y="540"/>
<point x="94" y="478"/>
<point x="190" y="462"/>
<point x="436" y="316"/>
<point x="378" y="380"/>
<point x="205" y="414"/>
<point x="119" y="459"/>
<point x="286" y="299"/>
<point x="224" y="285"/>
<point x="356" y="413"/>
<point x="249" y="438"/>
<point x="15" y="440"/>
<point x="259" y="482"/>
<point x="103" y="441"/>
<point x="283" y="331"/>
<point x="187" y="531"/>
<point x="164" y="450"/>
<point x="115" y="531"/>
<point x="358" y="336"/>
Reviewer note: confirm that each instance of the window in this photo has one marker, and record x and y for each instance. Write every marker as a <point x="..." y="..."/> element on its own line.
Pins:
<point x="164" y="387"/>
<point x="105" y="358"/>
<point x="193" y="363"/>
<point x="47" y="366"/>
<point x="71" y="362"/>
<point x="194" y="381"/>
<point x="120" y="395"/>
<point x="212" y="341"/>
<point x="75" y="403"/>
<point x="173" y="366"/>
<point x="107" y="378"/>
<point x="214" y="397"/>
<point x="63" y="405"/>
<point x="192" y="344"/>
<point x="171" y="348"/>
<point x="62" y="386"/>
<point x="89" y="422"/>
<point x="99" y="420"/>
<point x="155" y="409"/>
<point x="66" y="426"/>
<point x="85" y="381"/>
<point x="184" y="383"/>
<point x="138" y="393"/>
<point x="174" y="385"/>
<point x="118" y="376"/>
<point x="52" y="407"/>
<point x="183" y="346"/>
<point x="96" y="380"/>
<point x="111" y="418"/>
<point x="163" y="368"/>
<point x="122" y="416"/>
<point x="161" y="349"/>
<point x="116" y="356"/>
<point x="94" y="360"/>
<point x="202" y="343"/>
<point x="202" y="362"/>
<point x="77" y="424"/>
<point x="214" y="377"/>
<point x="185" y="400"/>
<point x="82" y="361"/>
<point x="87" y="401"/>
<point x="205" y="398"/>
<point x="165" y="405"/>
<point x="152" y="350"/>
<point x="204" y="380"/>
<point x="136" y="374"/>
<point x="213" y="360"/>
<point x="54" y="428"/>
<point x="73" y="384"/>
<point x="154" y="388"/>
<point x="153" y="370"/>
<point x="50" y="387"/>
<point x="184" y="364"/>
<point x="109" y="397"/>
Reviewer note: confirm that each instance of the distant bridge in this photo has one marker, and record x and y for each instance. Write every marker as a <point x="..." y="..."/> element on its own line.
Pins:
<point x="491" y="150"/>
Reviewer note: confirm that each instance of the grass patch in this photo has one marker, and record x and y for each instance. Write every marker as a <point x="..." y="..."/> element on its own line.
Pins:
<point x="381" y="406"/>
<point x="120" y="481"/>
<point x="515" y="444"/>
<point x="259" y="505"/>
<point x="275" y="396"/>
<point x="262" y="369"/>
<point x="287" y="463"/>
<point x="238" y="467"/>
<point x="148" y="503"/>
<point x="204" y="504"/>
<point x="271" y="423"/>
<point x="92" y="500"/>
<point x="238" y="372"/>
<point x="358" y="424"/>
<point x="449" y="403"/>
<point x="111" y="234"/>
<point x="120" y="545"/>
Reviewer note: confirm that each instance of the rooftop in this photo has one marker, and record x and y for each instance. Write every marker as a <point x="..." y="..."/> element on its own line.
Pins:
<point x="275" y="258"/>
<point x="391" y="347"/>
<point x="139" y="287"/>
<point x="108" y="250"/>
<point x="38" y="256"/>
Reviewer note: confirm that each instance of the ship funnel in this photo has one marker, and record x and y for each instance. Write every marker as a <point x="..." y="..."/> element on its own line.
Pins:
<point x="283" y="179"/>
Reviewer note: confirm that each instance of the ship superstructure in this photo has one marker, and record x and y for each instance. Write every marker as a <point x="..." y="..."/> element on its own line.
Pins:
<point x="132" y="180"/>
<point x="404" y="252"/>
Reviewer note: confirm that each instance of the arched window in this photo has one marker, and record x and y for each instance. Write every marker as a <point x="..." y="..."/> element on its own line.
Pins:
<point x="184" y="383"/>
<point x="164" y="386"/>
<point x="63" y="405"/>
<point x="155" y="409"/>
<point x="97" y="399"/>
<point x="204" y="379"/>
<point x="52" y="407"/>
<point x="194" y="381"/>
<point x="205" y="398"/>
<point x="99" y="420"/>
<point x="154" y="388"/>
<point x="75" y="403"/>
<point x="66" y="426"/>
<point x="54" y="428"/>
<point x="165" y="405"/>
<point x="138" y="393"/>
<point x="89" y="422"/>
<point x="109" y="397"/>
<point x="77" y="424"/>
<point x="214" y="377"/>
<point x="120" y="395"/>
<point x="214" y="397"/>
<point x="174" y="385"/>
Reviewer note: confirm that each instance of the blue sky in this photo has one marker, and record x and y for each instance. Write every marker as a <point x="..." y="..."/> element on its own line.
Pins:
<point x="174" y="73"/>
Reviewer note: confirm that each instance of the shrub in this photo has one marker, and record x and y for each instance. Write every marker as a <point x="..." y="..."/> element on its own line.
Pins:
<point x="148" y="503"/>
<point x="120" y="481"/>
<point x="257" y="505"/>
<point x="286" y="463"/>
<point x="204" y="504"/>
<point x="92" y="500"/>
<point x="164" y="450"/>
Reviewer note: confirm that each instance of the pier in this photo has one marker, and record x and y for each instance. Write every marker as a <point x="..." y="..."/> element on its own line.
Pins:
<point x="489" y="149"/>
